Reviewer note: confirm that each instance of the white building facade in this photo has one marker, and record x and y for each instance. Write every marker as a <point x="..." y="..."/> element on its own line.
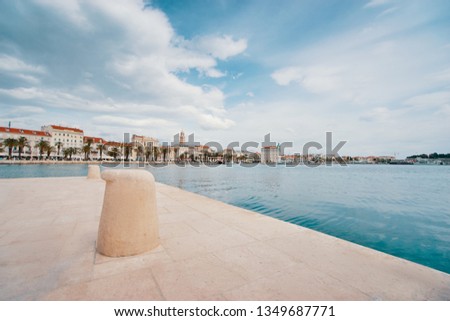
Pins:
<point x="69" y="137"/>
<point x="33" y="138"/>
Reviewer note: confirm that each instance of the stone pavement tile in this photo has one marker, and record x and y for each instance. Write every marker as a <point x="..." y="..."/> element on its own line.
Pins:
<point x="297" y="282"/>
<point x="23" y="281"/>
<point x="106" y="266"/>
<point x="200" y="278"/>
<point x="380" y="276"/>
<point x="192" y="245"/>
<point x="39" y="218"/>
<point x="74" y="269"/>
<point x="254" y="260"/>
<point x="171" y="230"/>
<point x="206" y="225"/>
<point x="130" y="285"/>
<point x="134" y="285"/>
<point x="186" y="214"/>
<point x="23" y="252"/>
<point x="256" y="225"/>
<point x="3" y="233"/>
<point x="218" y="240"/>
<point x="74" y="292"/>
<point x="37" y="233"/>
<point x="183" y="247"/>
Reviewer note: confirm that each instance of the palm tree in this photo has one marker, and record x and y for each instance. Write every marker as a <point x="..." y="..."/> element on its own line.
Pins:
<point x="43" y="145"/>
<point x="49" y="149"/>
<point x="156" y="152"/>
<point x="75" y="151"/>
<point x="127" y="147"/>
<point x="114" y="153"/>
<point x="101" y="147"/>
<point x="86" y="150"/>
<point x="139" y="152"/>
<point x="165" y="150"/>
<point x="66" y="152"/>
<point x="59" y="145"/>
<point x="148" y="153"/>
<point x="21" y="143"/>
<point x="205" y="156"/>
<point x="10" y="143"/>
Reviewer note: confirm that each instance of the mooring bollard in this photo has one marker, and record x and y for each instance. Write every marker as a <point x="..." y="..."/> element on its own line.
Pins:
<point x="93" y="172"/>
<point x="129" y="222"/>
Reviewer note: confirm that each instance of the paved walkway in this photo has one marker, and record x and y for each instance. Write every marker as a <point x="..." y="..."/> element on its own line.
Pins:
<point x="209" y="251"/>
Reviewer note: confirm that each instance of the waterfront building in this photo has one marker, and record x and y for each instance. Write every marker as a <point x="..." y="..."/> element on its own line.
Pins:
<point x="269" y="155"/>
<point x="182" y="138"/>
<point x="183" y="151"/>
<point x="65" y="137"/>
<point x="33" y="137"/>
<point x="143" y="147"/>
<point x="113" y="150"/>
<point x="97" y="144"/>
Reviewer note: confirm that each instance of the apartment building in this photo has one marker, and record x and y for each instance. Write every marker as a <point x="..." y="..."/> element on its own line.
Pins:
<point x="33" y="138"/>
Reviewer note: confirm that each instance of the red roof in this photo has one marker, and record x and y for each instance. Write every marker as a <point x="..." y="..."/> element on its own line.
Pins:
<point x="95" y="140"/>
<point x="20" y="131"/>
<point x="114" y="144"/>
<point x="66" y="128"/>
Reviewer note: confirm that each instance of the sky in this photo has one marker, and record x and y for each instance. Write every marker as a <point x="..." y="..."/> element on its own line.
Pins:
<point x="375" y="73"/>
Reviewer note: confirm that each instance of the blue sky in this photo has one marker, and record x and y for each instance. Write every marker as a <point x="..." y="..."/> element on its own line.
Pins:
<point x="375" y="73"/>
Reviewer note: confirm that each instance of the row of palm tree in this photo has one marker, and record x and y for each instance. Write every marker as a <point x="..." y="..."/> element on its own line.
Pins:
<point x="147" y="153"/>
<point x="11" y="143"/>
<point x="43" y="146"/>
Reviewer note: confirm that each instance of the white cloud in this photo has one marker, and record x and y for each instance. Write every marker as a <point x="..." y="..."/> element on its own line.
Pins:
<point x="147" y="58"/>
<point x="316" y="79"/>
<point x="70" y="9"/>
<point x="285" y="76"/>
<point x="367" y="68"/>
<point x="57" y="99"/>
<point x="435" y="99"/>
<point x="131" y="122"/>
<point x="27" y="110"/>
<point x="222" y="47"/>
<point x="379" y="114"/>
<point x="388" y="11"/>
<point x="442" y="75"/>
<point x="13" y="64"/>
<point x="319" y="79"/>
<point x="208" y="120"/>
<point x="214" y="73"/>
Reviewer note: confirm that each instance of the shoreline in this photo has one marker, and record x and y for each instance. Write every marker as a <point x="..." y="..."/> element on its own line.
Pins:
<point x="197" y="164"/>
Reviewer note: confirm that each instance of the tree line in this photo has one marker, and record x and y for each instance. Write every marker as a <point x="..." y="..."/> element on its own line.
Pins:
<point x="431" y="156"/>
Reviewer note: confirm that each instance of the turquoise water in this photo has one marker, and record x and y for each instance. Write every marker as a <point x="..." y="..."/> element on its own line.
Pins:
<point x="400" y="210"/>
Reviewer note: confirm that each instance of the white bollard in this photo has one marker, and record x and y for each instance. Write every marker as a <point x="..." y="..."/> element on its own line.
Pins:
<point x="129" y="222"/>
<point x="93" y="172"/>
